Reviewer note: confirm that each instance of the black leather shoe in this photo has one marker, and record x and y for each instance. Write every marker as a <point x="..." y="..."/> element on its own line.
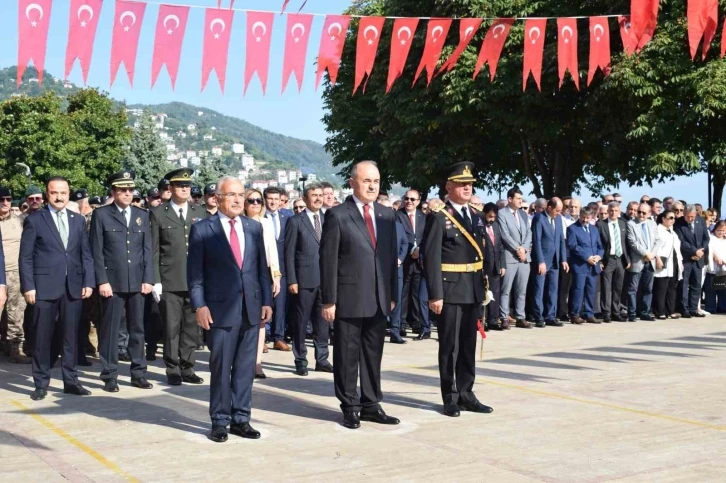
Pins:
<point x="423" y="336"/>
<point x="647" y="317"/>
<point x="141" y="383"/>
<point x="607" y="320"/>
<point x="85" y="363"/>
<point x="686" y="315"/>
<point x="301" y="371"/>
<point x="397" y="340"/>
<point x="76" y="390"/>
<point x="110" y="385"/>
<point x="124" y="356"/>
<point x="617" y="318"/>
<point x="324" y="368"/>
<point x="540" y="324"/>
<point x="260" y="375"/>
<point x="39" y="394"/>
<point x="379" y="417"/>
<point x="351" y="420"/>
<point x="554" y="323"/>
<point x="475" y="407"/>
<point x="219" y="434"/>
<point x="403" y="332"/>
<point x="193" y="379"/>
<point x="699" y="314"/>
<point x="174" y="380"/>
<point x="452" y="410"/>
<point x="631" y="319"/>
<point x="244" y="430"/>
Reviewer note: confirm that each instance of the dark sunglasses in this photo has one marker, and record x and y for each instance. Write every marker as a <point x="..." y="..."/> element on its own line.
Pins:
<point x="299" y="208"/>
<point x="678" y="211"/>
<point x="35" y="198"/>
<point x="642" y="212"/>
<point x="670" y="218"/>
<point x="8" y="199"/>
<point x="409" y="199"/>
<point x="254" y="201"/>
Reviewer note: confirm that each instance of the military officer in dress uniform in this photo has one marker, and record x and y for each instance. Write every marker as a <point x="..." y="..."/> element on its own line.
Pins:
<point x="121" y="246"/>
<point x="170" y="225"/>
<point x="453" y="244"/>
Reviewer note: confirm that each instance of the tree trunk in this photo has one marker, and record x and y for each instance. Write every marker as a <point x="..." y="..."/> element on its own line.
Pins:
<point x="719" y="180"/>
<point x="527" y="153"/>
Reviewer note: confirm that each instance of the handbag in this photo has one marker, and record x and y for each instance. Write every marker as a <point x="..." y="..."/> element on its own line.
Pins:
<point x="665" y="262"/>
<point x="719" y="282"/>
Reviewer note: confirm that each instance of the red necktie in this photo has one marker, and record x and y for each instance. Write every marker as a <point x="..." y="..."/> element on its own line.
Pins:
<point x="234" y="243"/>
<point x="490" y="231"/>
<point x="369" y="224"/>
<point x="410" y="217"/>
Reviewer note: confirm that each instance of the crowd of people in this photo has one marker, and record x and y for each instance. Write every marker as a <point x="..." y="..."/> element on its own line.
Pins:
<point x="141" y="272"/>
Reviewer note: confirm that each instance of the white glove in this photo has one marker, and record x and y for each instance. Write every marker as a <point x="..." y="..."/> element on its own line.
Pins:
<point x="156" y="292"/>
<point x="489" y="296"/>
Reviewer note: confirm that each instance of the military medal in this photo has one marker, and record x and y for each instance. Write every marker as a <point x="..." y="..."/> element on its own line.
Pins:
<point x="138" y="221"/>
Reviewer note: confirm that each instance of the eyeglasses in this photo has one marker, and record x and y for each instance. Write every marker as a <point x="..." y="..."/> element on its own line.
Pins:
<point x="231" y="195"/>
<point x="406" y="198"/>
<point x="677" y="210"/>
<point x="642" y="212"/>
<point x="299" y="208"/>
<point x="125" y="190"/>
<point x="35" y="198"/>
<point x="6" y="199"/>
<point x="254" y="201"/>
<point x="670" y="218"/>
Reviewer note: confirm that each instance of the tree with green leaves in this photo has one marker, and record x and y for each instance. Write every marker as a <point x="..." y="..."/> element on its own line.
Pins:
<point x="83" y="142"/>
<point x="210" y="170"/>
<point x="146" y="154"/>
<point x="560" y="140"/>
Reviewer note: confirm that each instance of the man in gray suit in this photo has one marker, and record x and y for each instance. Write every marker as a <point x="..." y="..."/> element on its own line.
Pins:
<point x="517" y="240"/>
<point x="642" y="239"/>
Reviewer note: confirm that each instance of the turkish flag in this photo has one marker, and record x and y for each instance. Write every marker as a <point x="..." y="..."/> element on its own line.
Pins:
<point x="491" y="48"/>
<point x="630" y="42"/>
<point x="467" y="29"/>
<point x="567" y="50"/>
<point x="403" y="30"/>
<point x="284" y="6"/>
<point x="435" y="39"/>
<point x="170" y="27"/>
<point x="644" y="18"/>
<point x="81" y="34"/>
<point x="33" y="23"/>
<point x="534" y="36"/>
<point x="296" y="48"/>
<point x="126" y="30"/>
<point x="369" y="34"/>
<point x="702" y="23"/>
<point x="723" y="41"/>
<point x="217" y="31"/>
<point x="332" y="41"/>
<point x="599" y="47"/>
<point x="259" y="35"/>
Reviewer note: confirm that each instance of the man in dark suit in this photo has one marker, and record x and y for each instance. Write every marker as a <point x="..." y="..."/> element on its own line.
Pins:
<point x="279" y="223"/>
<point x="494" y="266"/>
<point x="359" y="283"/>
<point x="170" y="226"/>
<point x="402" y="249"/>
<point x="56" y="274"/>
<point x="121" y="246"/>
<point x="694" y="237"/>
<point x="302" y="247"/>
<point x="548" y="254"/>
<point x="614" y="236"/>
<point x="586" y="251"/>
<point x="230" y="287"/>
<point x="414" y="224"/>
<point x="452" y="251"/>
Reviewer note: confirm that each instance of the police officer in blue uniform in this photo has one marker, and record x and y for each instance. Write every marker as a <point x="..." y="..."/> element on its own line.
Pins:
<point x="123" y="262"/>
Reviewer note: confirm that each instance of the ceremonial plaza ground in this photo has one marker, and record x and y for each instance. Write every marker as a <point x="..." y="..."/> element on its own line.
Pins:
<point x="619" y="402"/>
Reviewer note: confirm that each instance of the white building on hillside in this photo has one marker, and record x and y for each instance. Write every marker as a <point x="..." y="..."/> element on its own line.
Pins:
<point x="238" y="148"/>
<point x="217" y="152"/>
<point x="248" y="161"/>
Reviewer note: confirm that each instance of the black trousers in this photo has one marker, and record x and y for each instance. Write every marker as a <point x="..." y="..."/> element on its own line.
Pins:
<point x="358" y="346"/>
<point x="307" y="306"/>
<point x="495" y="287"/>
<point x="152" y="323"/>
<point x="180" y="333"/>
<point x="457" y="351"/>
<point x="563" y="296"/>
<point x="611" y="286"/>
<point x="232" y="356"/>
<point x="62" y="314"/>
<point x="410" y="308"/>
<point x="122" y="309"/>
<point x="664" y="295"/>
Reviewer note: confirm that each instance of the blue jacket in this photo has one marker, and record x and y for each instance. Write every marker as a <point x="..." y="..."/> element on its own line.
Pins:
<point x="582" y="246"/>
<point x="48" y="268"/>
<point x="548" y="246"/>
<point x="283" y="217"/>
<point x="216" y="282"/>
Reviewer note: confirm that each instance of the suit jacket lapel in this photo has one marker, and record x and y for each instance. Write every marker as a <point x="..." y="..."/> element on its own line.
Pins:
<point x="249" y="243"/>
<point x="174" y="217"/>
<point x="118" y="216"/>
<point x="222" y="237"/>
<point x="358" y="219"/>
<point x="309" y="225"/>
<point x="53" y="228"/>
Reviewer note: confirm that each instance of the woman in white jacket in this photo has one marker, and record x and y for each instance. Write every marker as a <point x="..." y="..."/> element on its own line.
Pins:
<point x="255" y="209"/>
<point x="716" y="268"/>
<point x="669" y="268"/>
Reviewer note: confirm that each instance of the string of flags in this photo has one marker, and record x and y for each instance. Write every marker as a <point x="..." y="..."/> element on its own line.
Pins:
<point x="636" y="30"/>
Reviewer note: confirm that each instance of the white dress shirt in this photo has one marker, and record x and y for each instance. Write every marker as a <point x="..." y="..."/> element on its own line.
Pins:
<point x="274" y="217"/>
<point x="237" y="228"/>
<point x="311" y="216"/>
<point x="128" y="213"/>
<point x="716" y="246"/>
<point x="372" y="212"/>
<point x="175" y="207"/>
<point x="458" y="208"/>
<point x="612" y="226"/>
<point x="53" y="212"/>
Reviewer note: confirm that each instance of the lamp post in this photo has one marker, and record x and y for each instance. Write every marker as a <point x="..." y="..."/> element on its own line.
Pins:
<point x="303" y="179"/>
<point x="26" y="169"/>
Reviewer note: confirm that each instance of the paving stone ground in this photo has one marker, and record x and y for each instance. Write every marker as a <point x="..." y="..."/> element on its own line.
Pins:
<point x="621" y="402"/>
